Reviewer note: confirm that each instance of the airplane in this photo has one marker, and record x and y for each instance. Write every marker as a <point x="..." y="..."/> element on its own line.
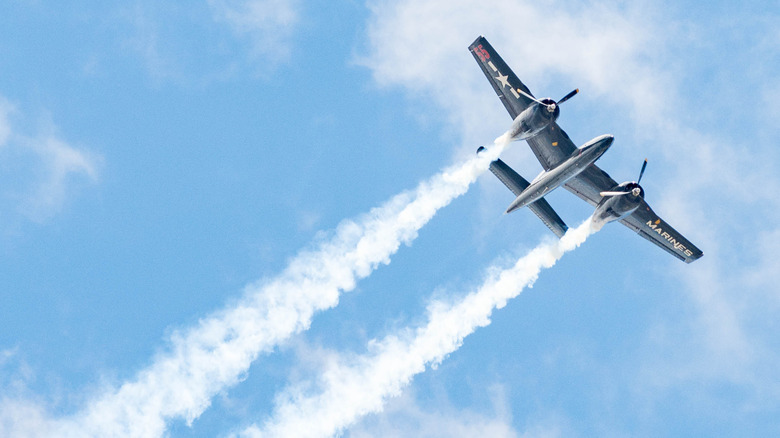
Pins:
<point x="535" y="121"/>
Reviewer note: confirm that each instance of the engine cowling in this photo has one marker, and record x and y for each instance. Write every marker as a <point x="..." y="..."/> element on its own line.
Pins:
<point x="534" y="119"/>
<point x="618" y="203"/>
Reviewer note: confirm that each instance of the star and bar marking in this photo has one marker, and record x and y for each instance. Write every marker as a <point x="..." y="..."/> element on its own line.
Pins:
<point x="503" y="79"/>
<point x="484" y="56"/>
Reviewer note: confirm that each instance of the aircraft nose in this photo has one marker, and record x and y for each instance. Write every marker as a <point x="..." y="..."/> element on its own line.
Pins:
<point x="606" y="140"/>
<point x="603" y="142"/>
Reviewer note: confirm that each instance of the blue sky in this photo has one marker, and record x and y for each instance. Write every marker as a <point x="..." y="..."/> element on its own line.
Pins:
<point x="165" y="165"/>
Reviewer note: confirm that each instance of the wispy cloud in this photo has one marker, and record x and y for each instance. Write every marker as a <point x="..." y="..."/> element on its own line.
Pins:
<point x="61" y="164"/>
<point x="5" y="124"/>
<point x="145" y="41"/>
<point x="404" y="416"/>
<point x="269" y="24"/>
<point x="421" y="46"/>
<point x="207" y="41"/>
<point x="352" y="387"/>
<point x="42" y="168"/>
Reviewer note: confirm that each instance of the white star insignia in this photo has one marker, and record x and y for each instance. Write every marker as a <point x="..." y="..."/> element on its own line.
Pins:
<point x="504" y="79"/>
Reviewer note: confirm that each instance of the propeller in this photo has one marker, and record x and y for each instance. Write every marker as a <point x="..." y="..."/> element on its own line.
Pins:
<point x="635" y="191"/>
<point x="550" y="106"/>
<point x="603" y="194"/>
<point x="642" y="172"/>
<point x="568" y="96"/>
<point x="530" y="97"/>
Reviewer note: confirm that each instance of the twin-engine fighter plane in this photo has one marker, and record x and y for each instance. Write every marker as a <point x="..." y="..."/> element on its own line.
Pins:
<point x="534" y="120"/>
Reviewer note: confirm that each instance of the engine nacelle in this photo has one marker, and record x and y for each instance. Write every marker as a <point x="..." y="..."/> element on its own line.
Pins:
<point x="615" y="207"/>
<point x="534" y="119"/>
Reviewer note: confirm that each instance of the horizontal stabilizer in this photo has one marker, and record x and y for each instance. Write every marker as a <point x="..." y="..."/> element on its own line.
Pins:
<point x="541" y="208"/>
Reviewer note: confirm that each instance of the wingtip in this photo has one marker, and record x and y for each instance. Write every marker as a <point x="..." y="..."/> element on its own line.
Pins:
<point x="476" y="41"/>
<point x="693" y="259"/>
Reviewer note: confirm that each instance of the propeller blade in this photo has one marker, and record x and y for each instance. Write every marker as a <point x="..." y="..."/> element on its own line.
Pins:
<point x="530" y="97"/>
<point x="603" y="194"/>
<point x="642" y="172"/>
<point x="568" y="96"/>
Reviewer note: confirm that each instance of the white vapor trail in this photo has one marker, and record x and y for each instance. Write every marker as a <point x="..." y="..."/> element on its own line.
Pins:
<point x="203" y="360"/>
<point x="351" y="390"/>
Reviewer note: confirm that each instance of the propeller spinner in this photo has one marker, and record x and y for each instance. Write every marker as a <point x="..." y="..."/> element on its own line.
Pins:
<point x="636" y="190"/>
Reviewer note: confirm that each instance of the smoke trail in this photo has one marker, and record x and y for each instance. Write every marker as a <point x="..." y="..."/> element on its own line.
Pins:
<point x="215" y="354"/>
<point x="351" y="389"/>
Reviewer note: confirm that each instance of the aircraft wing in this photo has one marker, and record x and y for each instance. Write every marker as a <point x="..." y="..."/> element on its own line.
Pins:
<point x="552" y="145"/>
<point x="644" y="221"/>
<point x="501" y="77"/>
<point x="650" y="226"/>
<point x="589" y="183"/>
<point x="541" y="208"/>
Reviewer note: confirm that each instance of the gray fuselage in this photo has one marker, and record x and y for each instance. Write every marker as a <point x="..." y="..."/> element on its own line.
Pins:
<point x="557" y="176"/>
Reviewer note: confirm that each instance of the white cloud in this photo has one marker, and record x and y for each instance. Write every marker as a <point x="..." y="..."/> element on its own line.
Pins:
<point x="44" y="169"/>
<point x="21" y="415"/>
<point x="404" y="417"/>
<point x="20" y="418"/>
<point x="269" y="24"/>
<point x="145" y="41"/>
<point x="205" y="41"/>
<point x="422" y="47"/>
<point x="61" y="163"/>
<point x="5" y="124"/>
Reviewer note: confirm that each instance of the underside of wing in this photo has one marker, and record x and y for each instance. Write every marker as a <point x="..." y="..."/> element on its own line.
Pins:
<point x="648" y="225"/>
<point x="551" y="146"/>
<point x="541" y="208"/>
<point x="590" y="183"/>
<point x="504" y="81"/>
